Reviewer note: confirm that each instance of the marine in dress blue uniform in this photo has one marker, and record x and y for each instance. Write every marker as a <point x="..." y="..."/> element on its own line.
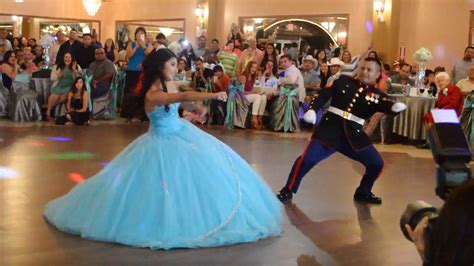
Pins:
<point x="352" y="101"/>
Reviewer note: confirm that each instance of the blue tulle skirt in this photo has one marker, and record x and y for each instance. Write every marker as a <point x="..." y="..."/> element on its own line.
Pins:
<point x="181" y="190"/>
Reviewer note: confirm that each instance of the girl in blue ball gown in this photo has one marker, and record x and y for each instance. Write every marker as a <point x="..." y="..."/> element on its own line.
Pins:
<point x="173" y="187"/>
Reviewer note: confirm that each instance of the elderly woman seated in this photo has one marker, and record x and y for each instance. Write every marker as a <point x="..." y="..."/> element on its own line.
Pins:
<point x="449" y="97"/>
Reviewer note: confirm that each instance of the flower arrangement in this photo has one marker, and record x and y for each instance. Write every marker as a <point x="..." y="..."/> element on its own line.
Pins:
<point x="47" y="40"/>
<point x="423" y="55"/>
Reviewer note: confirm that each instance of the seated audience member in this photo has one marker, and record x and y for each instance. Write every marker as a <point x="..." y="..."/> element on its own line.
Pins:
<point x="310" y="76"/>
<point x="220" y="82"/>
<point x="9" y="69"/>
<point x="403" y="78"/>
<point x="181" y="74"/>
<point x="451" y="240"/>
<point x="269" y="81"/>
<point x="103" y="71"/>
<point x="78" y="103"/>
<point x="201" y="76"/>
<point x="449" y="97"/>
<point x="38" y="60"/>
<point x="63" y="76"/>
<point x="259" y="102"/>
<point x="467" y="88"/>
<point x="467" y="85"/>
<point x="429" y="82"/>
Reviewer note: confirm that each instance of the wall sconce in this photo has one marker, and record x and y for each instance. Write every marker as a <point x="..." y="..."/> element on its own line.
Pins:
<point x="379" y="6"/>
<point x="199" y="11"/>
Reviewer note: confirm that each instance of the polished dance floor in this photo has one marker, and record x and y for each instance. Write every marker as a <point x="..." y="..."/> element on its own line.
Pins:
<point x="323" y="226"/>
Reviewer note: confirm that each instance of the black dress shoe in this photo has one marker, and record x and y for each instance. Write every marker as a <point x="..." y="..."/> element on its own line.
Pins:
<point x="367" y="198"/>
<point x="284" y="195"/>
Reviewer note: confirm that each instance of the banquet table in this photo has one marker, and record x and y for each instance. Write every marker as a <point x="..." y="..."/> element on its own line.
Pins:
<point x="409" y="123"/>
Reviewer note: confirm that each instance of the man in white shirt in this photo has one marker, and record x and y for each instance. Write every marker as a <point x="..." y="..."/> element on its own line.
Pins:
<point x="467" y="85"/>
<point x="293" y="76"/>
<point x="53" y="52"/>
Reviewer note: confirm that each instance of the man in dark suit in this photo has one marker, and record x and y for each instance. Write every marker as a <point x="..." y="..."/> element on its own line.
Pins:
<point x="70" y="46"/>
<point x="352" y="101"/>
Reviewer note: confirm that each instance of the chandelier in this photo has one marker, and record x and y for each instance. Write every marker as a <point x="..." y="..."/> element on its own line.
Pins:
<point x="91" y="6"/>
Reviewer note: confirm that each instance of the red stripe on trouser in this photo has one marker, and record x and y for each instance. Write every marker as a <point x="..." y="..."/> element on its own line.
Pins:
<point x="298" y="165"/>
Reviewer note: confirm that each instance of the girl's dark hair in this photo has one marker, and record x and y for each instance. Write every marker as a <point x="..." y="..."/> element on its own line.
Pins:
<point x="153" y="67"/>
<point x="218" y="68"/>
<point x="452" y="237"/>
<point x="112" y="47"/>
<point x="7" y="56"/>
<point x="376" y="55"/>
<point x="142" y="29"/>
<point x="62" y="65"/>
<point x="73" y="86"/>
<point x="267" y="57"/>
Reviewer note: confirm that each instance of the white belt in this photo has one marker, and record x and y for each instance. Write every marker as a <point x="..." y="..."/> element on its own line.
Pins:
<point x="346" y="115"/>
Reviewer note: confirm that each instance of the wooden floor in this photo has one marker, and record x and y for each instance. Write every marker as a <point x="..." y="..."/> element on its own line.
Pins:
<point x="323" y="226"/>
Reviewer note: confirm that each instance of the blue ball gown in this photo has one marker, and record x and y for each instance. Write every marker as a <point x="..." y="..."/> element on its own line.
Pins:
<point x="173" y="187"/>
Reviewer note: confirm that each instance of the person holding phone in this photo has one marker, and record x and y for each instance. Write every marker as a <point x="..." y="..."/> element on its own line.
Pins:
<point x="136" y="51"/>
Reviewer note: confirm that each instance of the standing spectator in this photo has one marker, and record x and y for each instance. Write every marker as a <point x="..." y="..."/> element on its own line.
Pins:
<point x="324" y="74"/>
<point x="461" y="68"/>
<point x="201" y="50"/>
<point x="53" y="52"/>
<point x="270" y="55"/>
<point x="32" y="43"/>
<point x="285" y="52"/>
<point x="111" y="51"/>
<point x="70" y="46"/>
<point x="103" y="71"/>
<point x="95" y="39"/>
<point x="213" y="51"/>
<point x="250" y="54"/>
<point x="3" y="40"/>
<point x="292" y="76"/>
<point x="229" y="59"/>
<point x="23" y="42"/>
<point x="16" y="44"/>
<point x="136" y="52"/>
<point x="187" y="53"/>
<point x="293" y="51"/>
<point x="321" y="57"/>
<point x="86" y="52"/>
<point x="235" y="35"/>
<point x="161" y="41"/>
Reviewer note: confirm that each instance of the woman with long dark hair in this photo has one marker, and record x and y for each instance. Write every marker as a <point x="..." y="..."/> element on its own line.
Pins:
<point x="451" y="240"/>
<point x="78" y="103"/>
<point x="9" y="69"/>
<point x="270" y="55"/>
<point x="63" y="76"/>
<point x="111" y="51"/>
<point x="173" y="187"/>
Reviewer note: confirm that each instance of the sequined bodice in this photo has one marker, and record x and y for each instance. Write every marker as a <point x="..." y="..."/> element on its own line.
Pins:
<point x="163" y="121"/>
